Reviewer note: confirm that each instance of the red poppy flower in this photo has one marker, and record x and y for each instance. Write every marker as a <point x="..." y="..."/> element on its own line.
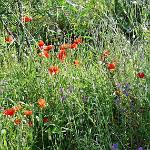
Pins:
<point x="17" y="121"/>
<point x="62" y="55"/>
<point x="48" y="47"/>
<point x="42" y="103"/>
<point x="111" y="66"/>
<point x="74" y="46"/>
<point x="44" y="54"/>
<point x="54" y="70"/>
<point x="78" y="41"/>
<point x="65" y="46"/>
<point x="26" y="19"/>
<point x="40" y="43"/>
<point x="9" y="39"/>
<point x="140" y="75"/>
<point x="45" y="119"/>
<point x="28" y="112"/>
<point x="9" y="112"/>
<point x="106" y="53"/>
<point x="76" y="63"/>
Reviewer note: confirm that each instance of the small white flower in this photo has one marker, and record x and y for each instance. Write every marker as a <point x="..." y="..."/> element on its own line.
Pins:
<point x="134" y="2"/>
<point x="37" y="117"/>
<point x="3" y="131"/>
<point x="128" y="41"/>
<point x="13" y="55"/>
<point x="133" y="35"/>
<point x="145" y="29"/>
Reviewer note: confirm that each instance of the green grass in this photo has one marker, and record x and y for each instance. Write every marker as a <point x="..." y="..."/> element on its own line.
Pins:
<point x="82" y="106"/>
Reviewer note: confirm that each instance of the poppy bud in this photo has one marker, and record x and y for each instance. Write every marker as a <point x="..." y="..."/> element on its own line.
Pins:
<point x="111" y="66"/>
<point x="140" y="75"/>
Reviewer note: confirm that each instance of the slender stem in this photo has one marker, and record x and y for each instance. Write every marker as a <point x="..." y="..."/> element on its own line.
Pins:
<point x="14" y="37"/>
<point x="20" y="7"/>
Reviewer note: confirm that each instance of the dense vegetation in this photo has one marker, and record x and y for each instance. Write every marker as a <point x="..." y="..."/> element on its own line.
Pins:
<point x="74" y="75"/>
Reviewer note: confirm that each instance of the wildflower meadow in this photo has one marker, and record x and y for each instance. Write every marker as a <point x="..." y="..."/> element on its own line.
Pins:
<point x="74" y="75"/>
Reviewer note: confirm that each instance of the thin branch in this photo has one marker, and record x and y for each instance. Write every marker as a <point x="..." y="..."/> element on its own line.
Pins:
<point x="20" y="6"/>
<point x="14" y="37"/>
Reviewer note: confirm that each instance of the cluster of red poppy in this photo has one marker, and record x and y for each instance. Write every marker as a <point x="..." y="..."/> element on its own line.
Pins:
<point x="44" y="49"/>
<point x="112" y="66"/>
<point x="61" y="55"/>
<point x="12" y="111"/>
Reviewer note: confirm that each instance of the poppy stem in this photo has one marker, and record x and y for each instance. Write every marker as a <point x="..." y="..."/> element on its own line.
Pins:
<point x="14" y="37"/>
<point x="20" y="7"/>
